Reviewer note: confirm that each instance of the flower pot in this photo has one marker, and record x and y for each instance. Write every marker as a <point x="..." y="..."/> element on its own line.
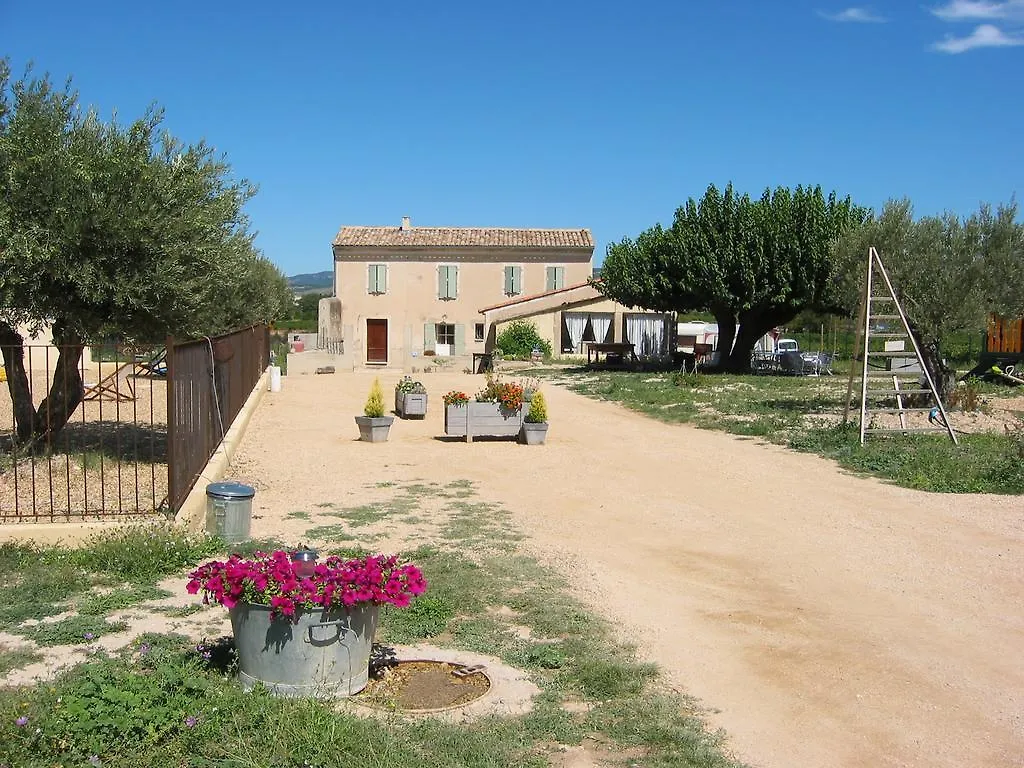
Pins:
<point x="534" y="433"/>
<point x="411" y="404"/>
<point x="326" y="653"/>
<point x="475" y="419"/>
<point x="374" y="429"/>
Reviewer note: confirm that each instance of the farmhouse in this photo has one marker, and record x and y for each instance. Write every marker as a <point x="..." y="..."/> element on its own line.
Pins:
<point x="407" y="292"/>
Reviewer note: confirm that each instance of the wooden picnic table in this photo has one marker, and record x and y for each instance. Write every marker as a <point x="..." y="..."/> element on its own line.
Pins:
<point x="614" y="353"/>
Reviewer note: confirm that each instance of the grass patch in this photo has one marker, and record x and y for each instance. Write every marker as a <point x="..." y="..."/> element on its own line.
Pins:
<point x="75" y="630"/>
<point x="179" y="611"/>
<point x="11" y="659"/>
<point x="106" y="602"/>
<point x="162" y="703"/>
<point x="783" y="410"/>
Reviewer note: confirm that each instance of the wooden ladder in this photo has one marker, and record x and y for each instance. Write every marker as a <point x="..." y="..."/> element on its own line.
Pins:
<point x="879" y="303"/>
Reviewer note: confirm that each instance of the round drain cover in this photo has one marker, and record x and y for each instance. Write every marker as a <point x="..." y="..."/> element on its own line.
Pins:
<point x="424" y="686"/>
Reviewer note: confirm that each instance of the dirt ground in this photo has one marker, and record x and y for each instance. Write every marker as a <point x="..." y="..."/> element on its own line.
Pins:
<point x="821" y="618"/>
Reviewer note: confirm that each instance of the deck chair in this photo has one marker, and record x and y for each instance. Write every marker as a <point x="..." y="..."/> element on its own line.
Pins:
<point x="155" y="365"/>
<point x="108" y="388"/>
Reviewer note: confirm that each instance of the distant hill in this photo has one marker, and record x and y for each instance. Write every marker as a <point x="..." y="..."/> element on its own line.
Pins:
<point x="312" y="282"/>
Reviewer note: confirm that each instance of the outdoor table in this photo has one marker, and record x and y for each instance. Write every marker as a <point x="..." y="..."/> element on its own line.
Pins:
<point x="617" y="351"/>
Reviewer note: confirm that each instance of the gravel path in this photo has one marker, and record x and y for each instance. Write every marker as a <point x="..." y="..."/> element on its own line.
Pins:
<point x="823" y="619"/>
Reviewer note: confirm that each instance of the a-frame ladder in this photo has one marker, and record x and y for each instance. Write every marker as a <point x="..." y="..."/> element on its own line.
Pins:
<point x="879" y="303"/>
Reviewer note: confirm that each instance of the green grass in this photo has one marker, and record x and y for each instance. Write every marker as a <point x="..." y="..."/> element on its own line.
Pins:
<point x="17" y="658"/>
<point x="783" y="409"/>
<point x="75" y="630"/>
<point x="170" y="706"/>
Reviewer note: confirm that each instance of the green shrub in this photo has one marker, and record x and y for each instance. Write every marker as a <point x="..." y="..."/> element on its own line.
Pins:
<point x="520" y="338"/>
<point x="538" y="413"/>
<point x="374" y="407"/>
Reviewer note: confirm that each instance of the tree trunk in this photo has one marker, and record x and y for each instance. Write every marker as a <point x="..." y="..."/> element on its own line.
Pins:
<point x="726" y="334"/>
<point x="754" y="324"/>
<point x="11" y="345"/>
<point x="65" y="393"/>
<point x="942" y="375"/>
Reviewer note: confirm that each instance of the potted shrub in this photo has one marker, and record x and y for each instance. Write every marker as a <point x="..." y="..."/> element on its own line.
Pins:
<point x="301" y="627"/>
<point x="535" y="425"/>
<point x="410" y="398"/>
<point x="373" y="424"/>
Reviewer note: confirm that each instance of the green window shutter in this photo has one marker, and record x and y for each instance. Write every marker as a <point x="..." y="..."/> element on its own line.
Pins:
<point x="555" y="279"/>
<point x="429" y="337"/>
<point x="517" y="280"/>
<point x="377" y="278"/>
<point x="460" y="339"/>
<point x="453" y="282"/>
<point x="442" y="283"/>
<point x="447" y="282"/>
<point x="509" y="281"/>
<point x="382" y="278"/>
<point x="371" y="278"/>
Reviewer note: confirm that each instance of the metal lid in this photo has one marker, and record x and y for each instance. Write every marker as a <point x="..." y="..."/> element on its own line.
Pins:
<point x="304" y="555"/>
<point x="230" y="489"/>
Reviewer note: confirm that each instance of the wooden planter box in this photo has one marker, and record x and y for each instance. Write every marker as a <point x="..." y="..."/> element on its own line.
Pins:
<point x="411" y="404"/>
<point x="481" y="419"/>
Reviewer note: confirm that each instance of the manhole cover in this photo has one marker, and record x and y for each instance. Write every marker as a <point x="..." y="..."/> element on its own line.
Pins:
<point x="424" y="686"/>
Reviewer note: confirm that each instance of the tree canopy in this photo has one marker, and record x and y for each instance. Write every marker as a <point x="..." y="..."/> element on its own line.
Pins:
<point x="116" y="230"/>
<point x="948" y="272"/>
<point x="754" y="264"/>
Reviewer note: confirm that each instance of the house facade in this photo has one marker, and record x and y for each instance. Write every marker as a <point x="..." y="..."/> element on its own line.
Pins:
<point x="568" y="318"/>
<point x="405" y="293"/>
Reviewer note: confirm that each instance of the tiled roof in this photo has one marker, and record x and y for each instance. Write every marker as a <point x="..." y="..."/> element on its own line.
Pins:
<point x="533" y="296"/>
<point x="459" y="237"/>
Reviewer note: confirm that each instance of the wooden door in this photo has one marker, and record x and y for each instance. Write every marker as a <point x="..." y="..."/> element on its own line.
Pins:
<point x="376" y="341"/>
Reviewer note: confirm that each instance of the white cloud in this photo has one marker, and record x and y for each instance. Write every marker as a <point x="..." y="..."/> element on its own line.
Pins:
<point x="966" y="10"/>
<point x="858" y="15"/>
<point x="984" y="36"/>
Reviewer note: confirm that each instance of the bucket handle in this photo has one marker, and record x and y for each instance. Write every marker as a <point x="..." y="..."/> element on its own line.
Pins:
<point x="341" y="627"/>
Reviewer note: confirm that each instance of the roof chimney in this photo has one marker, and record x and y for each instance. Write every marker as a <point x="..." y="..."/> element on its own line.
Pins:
<point x="405" y="224"/>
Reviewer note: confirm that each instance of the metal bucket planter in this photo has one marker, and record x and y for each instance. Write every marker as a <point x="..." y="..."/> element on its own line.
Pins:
<point x="326" y="653"/>
<point x="534" y="433"/>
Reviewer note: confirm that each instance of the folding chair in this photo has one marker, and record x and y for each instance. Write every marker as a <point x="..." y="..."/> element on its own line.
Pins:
<point x="108" y="389"/>
<point x="155" y="365"/>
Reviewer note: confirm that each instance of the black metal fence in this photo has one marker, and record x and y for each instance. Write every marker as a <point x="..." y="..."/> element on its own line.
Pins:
<point x="108" y="460"/>
<point x="209" y="381"/>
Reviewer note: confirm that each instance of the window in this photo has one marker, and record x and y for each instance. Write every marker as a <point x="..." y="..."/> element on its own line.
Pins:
<point x="445" y="333"/>
<point x="555" y="279"/>
<point x="478" y="332"/>
<point x="513" y="280"/>
<point x="447" y="282"/>
<point x="377" y="278"/>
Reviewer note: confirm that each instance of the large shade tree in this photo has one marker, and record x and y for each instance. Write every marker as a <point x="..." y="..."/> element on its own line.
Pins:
<point x="753" y="264"/>
<point x="113" y="230"/>
<point x="948" y="272"/>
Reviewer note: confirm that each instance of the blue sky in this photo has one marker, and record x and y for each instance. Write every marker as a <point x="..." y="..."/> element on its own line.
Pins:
<point x="553" y="114"/>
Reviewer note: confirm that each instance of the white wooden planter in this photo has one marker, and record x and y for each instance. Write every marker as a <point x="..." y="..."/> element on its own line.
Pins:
<point x="411" y="404"/>
<point x="482" y="419"/>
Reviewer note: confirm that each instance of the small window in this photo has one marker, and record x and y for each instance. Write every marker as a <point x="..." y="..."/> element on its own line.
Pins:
<point x="445" y="333"/>
<point x="513" y="280"/>
<point x="377" y="278"/>
<point x="447" y="282"/>
<point x="478" y="332"/>
<point x="555" y="279"/>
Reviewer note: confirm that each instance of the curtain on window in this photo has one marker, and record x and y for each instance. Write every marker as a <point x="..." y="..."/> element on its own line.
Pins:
<point x="646" y="333"/>
<point x="600" y="325"/>
<point x="576" y="324"/>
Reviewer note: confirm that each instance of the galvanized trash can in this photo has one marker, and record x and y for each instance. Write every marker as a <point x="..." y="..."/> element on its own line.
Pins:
<point x="229" y="510"/>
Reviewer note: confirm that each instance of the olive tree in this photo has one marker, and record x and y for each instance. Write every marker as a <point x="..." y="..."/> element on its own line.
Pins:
<point x="948" y="272"/>
<point x="113" y="230"/>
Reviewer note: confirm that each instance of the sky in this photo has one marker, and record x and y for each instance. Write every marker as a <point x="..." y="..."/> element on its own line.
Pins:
<point x="562" y="113"/>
